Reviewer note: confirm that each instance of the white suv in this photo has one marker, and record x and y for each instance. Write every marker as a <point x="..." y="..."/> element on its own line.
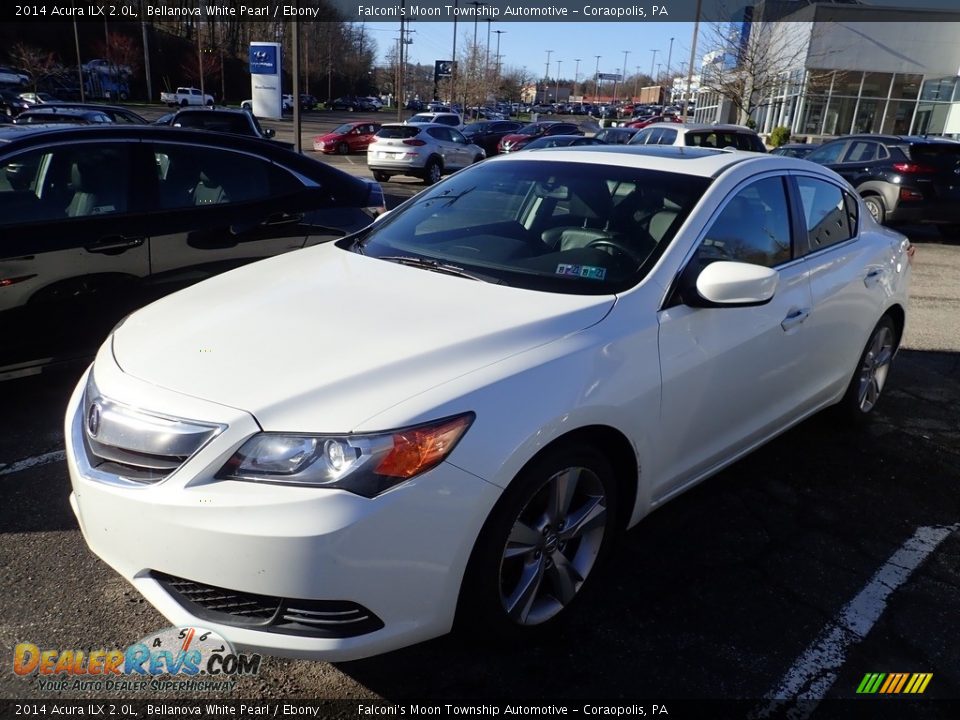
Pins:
<point x="451" y="119"/>
<point x="427" y="151"/>
<point x="720" y="137"/>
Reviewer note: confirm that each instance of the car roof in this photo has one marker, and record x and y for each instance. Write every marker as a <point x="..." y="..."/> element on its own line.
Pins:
<point x="893" y="138"/>
<point x="218" y="110"/>
<point x="702" y="162"/>
<point x="14" y="136"/>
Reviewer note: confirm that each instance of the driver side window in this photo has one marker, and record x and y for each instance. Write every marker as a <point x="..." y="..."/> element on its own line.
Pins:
<point x="753" y="227"/>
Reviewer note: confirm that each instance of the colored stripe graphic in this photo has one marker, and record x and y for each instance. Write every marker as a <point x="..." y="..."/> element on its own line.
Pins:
<point x="894" y="683"/>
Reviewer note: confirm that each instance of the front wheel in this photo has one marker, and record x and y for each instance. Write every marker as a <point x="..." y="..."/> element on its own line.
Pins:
<point x="870" y="377"/>
<point x="343" y="148"/>
<point x="541" y="543"/>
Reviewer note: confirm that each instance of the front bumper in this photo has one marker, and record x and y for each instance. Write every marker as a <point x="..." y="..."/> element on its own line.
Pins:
<point x="401" y="555"/>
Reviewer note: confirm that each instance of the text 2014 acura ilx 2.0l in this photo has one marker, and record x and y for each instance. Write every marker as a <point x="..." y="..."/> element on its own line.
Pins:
<point x="452" y="414"/>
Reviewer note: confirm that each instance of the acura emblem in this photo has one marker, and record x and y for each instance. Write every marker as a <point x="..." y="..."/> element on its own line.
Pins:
<point x="93" y="419"/>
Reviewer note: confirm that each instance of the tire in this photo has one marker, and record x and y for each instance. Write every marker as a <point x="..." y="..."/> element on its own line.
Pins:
<point x="183" y="103"/>
<point x="209" y="103"/>
<point x="870" y="375"/>
<point x="477" y="159"/>
<point x="533" y="557"/>
<point x="381" y="176"/>
<point x="123" y="97"/>
<point x="876" y="208"/>
<point x="432" y="172"/>
<point x="343" y="148"/>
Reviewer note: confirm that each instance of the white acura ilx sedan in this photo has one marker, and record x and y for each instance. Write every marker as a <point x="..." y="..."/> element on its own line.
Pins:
<point x="452" y="414"/>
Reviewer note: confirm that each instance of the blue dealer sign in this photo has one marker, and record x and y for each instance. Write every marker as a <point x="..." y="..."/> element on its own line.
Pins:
<point x="263" y="60"/>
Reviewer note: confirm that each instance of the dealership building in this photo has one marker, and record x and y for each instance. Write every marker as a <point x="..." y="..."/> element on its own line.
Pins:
<point x="856" y="69"/>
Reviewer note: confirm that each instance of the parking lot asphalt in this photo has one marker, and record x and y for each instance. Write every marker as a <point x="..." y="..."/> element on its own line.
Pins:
<point x="828" y="554"/>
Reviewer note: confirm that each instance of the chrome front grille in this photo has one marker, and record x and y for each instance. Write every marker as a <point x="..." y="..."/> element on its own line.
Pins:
<point x="125" y="445"/>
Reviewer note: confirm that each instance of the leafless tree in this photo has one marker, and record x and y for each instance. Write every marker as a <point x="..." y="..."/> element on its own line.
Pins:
<point x="34" y="63"/>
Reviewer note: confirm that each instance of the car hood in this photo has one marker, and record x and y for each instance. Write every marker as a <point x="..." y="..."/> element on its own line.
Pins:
<point x="319" y="340"/>
<point x="514" y="138"/>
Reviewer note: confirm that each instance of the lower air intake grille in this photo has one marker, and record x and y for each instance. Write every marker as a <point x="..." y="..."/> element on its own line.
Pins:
<point x="310" y="618"/>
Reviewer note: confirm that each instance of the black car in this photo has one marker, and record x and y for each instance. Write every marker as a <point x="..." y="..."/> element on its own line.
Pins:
<point x="344" y="103"/>
<point x="553" y="141"/>
<point x="97" y="221"/>
<point x="797" y="150"/>
<point x="616" y="136"/>
<point x="11" y="104"/>
<point x="53" y="114"/>
<point x="488" y="133"/>
<point x="901" y="178"/>
<point x="225" y="120"/>
<point x="115" y="113"/>
<point x="511" y="142"/>
<point x="307" y="102"/>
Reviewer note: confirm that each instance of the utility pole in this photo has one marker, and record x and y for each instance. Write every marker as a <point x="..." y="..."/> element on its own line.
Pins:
<point x="146" y="58"/>
<point x="76" y="42"/>
<point x="693" y="59"/>
<point x="295" y="47"/>
<point x="653" y="62"/>
<point x="636" y="84"/>
<point x="499" y="33"/>
<point x="453" y="56"/>
<point x="400" y="67"/>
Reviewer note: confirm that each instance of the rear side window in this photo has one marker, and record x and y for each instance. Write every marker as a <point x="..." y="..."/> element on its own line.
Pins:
<point x="829" y="153"/>
<point x="861" y="151"/>
<point x="830" y="213"/>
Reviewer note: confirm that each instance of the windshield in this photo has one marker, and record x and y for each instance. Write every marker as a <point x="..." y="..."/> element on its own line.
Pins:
<point x="531" y="129"/>
<point x="563" y="227"/>
<point x="398" y="131"/>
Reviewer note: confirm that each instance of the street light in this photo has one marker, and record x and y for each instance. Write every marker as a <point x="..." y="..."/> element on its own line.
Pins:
<point x="499" y="33"/>
<point x="596" y="81"/>
<point x="576" y="75"/>
<point x="625" y="53"/>
<point x="652" y="62"/>
<point x="556" y="94"/>
<point x="670" y="56"/>
<point x="546" y="76"/>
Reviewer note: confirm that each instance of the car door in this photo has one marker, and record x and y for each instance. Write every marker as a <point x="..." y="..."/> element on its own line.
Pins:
<point x="463" y="148"/>
<point x="451" y="154"/>
<point x="731" y="376"/>
<point x="847" y="274"/>
<point x="73" y="248"/>
<point x="215" y="208"/>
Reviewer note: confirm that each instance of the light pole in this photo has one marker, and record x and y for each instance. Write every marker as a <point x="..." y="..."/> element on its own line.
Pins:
<point x="453" y="55"/>
<point x="576" y="76"/>
<point x="546" y="76"/>
<point x="669" y="56"/>
<point x="499" y="33"/>
<point x="652" y="62"/>
<point x="596" y="81"/>
<point x="693" y="59"/>
<point x="625" y="53"/>
<point x="636" y="84"/>
<point x="556" y="94"/>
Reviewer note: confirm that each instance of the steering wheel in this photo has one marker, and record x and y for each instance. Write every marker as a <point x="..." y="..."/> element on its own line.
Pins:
<point x="617" y="248"/>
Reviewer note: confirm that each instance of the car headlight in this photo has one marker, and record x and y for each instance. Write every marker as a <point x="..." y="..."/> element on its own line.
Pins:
<point x="363" y="464"/>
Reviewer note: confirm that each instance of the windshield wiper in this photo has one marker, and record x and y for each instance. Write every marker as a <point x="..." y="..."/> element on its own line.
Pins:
<point x="437" y="266"/>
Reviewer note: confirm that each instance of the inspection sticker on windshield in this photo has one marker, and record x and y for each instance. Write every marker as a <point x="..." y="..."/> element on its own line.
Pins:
<point x="590" y="272"/>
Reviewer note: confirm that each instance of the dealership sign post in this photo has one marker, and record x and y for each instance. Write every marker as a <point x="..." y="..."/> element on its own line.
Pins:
<point x="265" y="79"/>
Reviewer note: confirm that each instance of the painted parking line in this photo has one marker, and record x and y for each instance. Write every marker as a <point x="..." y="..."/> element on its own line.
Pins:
<point x="32" y="462"/>
<point x="815" y="671"/>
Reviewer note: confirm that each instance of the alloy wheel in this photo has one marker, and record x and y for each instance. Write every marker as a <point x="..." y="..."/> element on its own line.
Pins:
<point x="552" y="546"/>
<point x="875" y="368"/>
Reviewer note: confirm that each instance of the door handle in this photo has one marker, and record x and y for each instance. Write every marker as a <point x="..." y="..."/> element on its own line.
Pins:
<point x="282" y="219"/>
<point x="872" y="277"/>
<point x="114" y="244"/>
<point x="794" y="318"/>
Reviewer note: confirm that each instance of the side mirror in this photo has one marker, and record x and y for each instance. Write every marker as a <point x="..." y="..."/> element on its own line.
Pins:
<point x="733" y="284"/>
<point x="269" y="133"/>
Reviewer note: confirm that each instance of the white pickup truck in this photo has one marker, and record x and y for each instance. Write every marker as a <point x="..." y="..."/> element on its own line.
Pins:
<point x="186" y="96"/>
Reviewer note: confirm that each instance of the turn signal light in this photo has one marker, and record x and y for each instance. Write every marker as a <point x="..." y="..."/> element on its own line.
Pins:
<point x="419" y="449"/>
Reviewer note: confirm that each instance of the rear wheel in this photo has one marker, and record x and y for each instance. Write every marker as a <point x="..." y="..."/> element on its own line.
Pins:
<point x="876" y="207"/>
<point x="870" y="377"/>
<point x="432" y="172"/>
<point x="380" y="176"/>
<point x="541" y="543"/>
<point x="183" y="103"/>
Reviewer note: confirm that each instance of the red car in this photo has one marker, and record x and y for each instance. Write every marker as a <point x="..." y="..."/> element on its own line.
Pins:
<point x="348" y="138"/>
<point x="515" y="141"/>
<point x="639" y="124"/>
